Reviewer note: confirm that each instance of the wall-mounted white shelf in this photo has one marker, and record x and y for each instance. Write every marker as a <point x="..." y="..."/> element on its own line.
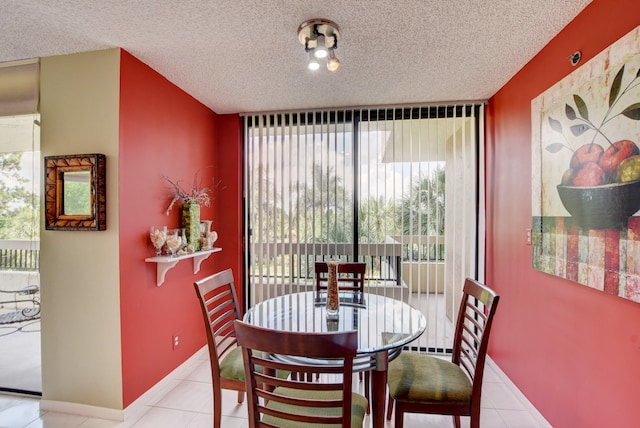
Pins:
<point x="164" y="263"/>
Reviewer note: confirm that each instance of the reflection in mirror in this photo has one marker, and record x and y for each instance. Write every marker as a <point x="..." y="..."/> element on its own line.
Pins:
<point x="76" y="193"/>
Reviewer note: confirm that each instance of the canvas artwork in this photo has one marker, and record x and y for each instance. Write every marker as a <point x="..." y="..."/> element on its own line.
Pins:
<point x="586" y="173"/>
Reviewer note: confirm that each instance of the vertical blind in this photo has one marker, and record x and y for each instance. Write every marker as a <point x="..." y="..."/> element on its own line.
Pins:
<point x="396" y="188"/>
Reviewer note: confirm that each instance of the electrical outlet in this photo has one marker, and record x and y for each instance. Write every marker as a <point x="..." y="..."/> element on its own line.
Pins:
<point x="528" y="236"/>
<point x="176" y="341"/>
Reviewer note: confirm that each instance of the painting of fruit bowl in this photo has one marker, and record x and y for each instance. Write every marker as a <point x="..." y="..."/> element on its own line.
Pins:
<point x="585" y="206"/>
<point x="599" y="185"/>
<point x="601" y="207"/>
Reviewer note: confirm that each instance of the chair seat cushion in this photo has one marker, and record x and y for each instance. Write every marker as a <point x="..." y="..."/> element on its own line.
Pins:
<point x="358" y="408"/>
<point x="232" y="365"/>
<point x="415" y="377"/>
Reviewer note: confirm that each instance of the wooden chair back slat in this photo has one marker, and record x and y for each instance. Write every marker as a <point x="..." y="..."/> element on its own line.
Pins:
<point x="219" y="305"/>
<point x="350" y="276"/>
<point x="265" y="351"/>
<point x="471" y="338"/>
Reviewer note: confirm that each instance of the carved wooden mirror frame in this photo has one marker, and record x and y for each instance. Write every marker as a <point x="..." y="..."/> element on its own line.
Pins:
<point x="60" y="172"/>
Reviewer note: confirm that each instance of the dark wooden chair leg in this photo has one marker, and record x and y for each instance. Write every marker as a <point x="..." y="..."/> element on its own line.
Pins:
<point x="217" y="408"/>
<point x="399" y="420"/>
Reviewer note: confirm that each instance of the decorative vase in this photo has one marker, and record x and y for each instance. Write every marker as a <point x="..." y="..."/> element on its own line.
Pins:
<point x="333" y="302"/>
<point x="190" y="221"/>
<point x="183" y="241"/>
<point x="207" y="236"/>
<point x="173" y="241"/>
<point x="158" y="237"/>
<point x="333" y="324"/>
<point x="205" y="227"/>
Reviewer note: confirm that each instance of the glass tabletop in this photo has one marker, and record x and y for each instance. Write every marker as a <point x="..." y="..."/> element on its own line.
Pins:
<point x="382" y="323"/>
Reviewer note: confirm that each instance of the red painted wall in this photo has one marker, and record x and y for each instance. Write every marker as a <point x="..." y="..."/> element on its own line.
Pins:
<point x="573" y="351"/>
<point x="163" y="130"/>
<point x="228" y="203"/>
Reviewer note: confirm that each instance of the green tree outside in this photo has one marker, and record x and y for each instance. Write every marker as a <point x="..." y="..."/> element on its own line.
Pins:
<point x="19" y="207"/>
<point x="326" y="210"/>
<point x="322" y="212"/>
<point x="421" y="212"/>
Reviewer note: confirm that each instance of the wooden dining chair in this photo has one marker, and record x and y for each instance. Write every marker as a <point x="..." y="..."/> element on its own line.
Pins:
<point x="419" y="383"/>
<point x="217" y="296"/>
<point x="273" y="401"/>
<point x="350" y="276"/>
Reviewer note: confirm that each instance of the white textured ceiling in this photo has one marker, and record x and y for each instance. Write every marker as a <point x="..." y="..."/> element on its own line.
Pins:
<point x="244" y="55"/>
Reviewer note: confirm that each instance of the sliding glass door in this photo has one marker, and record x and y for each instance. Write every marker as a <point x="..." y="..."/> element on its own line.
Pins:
<point x="396" y="188"/>
<point x="19" y="255"/>
<point x="20" y="168"/>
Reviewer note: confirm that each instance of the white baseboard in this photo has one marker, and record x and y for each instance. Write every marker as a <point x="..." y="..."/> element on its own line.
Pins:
<point x="82" y="410"/>
<point x="160" y="389"/>
<point x="133" y="410"/>
<point x="514" y="389"/>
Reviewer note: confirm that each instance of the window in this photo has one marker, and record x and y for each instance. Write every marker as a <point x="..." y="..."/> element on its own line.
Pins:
<point x="396" y="188"/>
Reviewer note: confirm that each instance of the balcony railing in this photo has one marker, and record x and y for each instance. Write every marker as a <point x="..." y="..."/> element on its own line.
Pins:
<point x="407" y="268"/>
<point x="421" y="248"/>
<point x="295" y="261"/>
<point x="19" y="255"/>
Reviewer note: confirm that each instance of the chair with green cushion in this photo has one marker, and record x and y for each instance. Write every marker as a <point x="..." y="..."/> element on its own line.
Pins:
<point x="420" y="383"/>
<point x="350" y="278"/>
<point x="217" y="296"/>
<point x="326" y="401"/>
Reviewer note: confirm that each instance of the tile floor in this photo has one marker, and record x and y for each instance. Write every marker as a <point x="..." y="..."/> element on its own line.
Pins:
<point x="184" y="400"/>
<point x="20" y="350"/>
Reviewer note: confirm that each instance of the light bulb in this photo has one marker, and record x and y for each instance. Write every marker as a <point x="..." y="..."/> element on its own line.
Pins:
<point x="320" y="50"/>
<point x="332" y="63"/>
<point x="313" y="63"/>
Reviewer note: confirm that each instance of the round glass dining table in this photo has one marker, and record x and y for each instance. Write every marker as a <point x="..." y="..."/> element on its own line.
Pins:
<point x="384" y="326"/>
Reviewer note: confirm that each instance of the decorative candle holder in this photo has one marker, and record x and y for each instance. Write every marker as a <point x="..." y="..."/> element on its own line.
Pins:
<point x="173" y="241"/>
<point x="333" y="302"/>
<point x="158" y="236"/>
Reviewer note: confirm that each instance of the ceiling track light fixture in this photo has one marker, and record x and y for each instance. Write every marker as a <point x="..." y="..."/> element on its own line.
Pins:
<point x="313" y="63"/>
<point x="320" y="40"/>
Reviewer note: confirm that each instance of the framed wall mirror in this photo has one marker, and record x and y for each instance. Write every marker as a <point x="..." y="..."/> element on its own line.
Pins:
<point x="75" y="192"/>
